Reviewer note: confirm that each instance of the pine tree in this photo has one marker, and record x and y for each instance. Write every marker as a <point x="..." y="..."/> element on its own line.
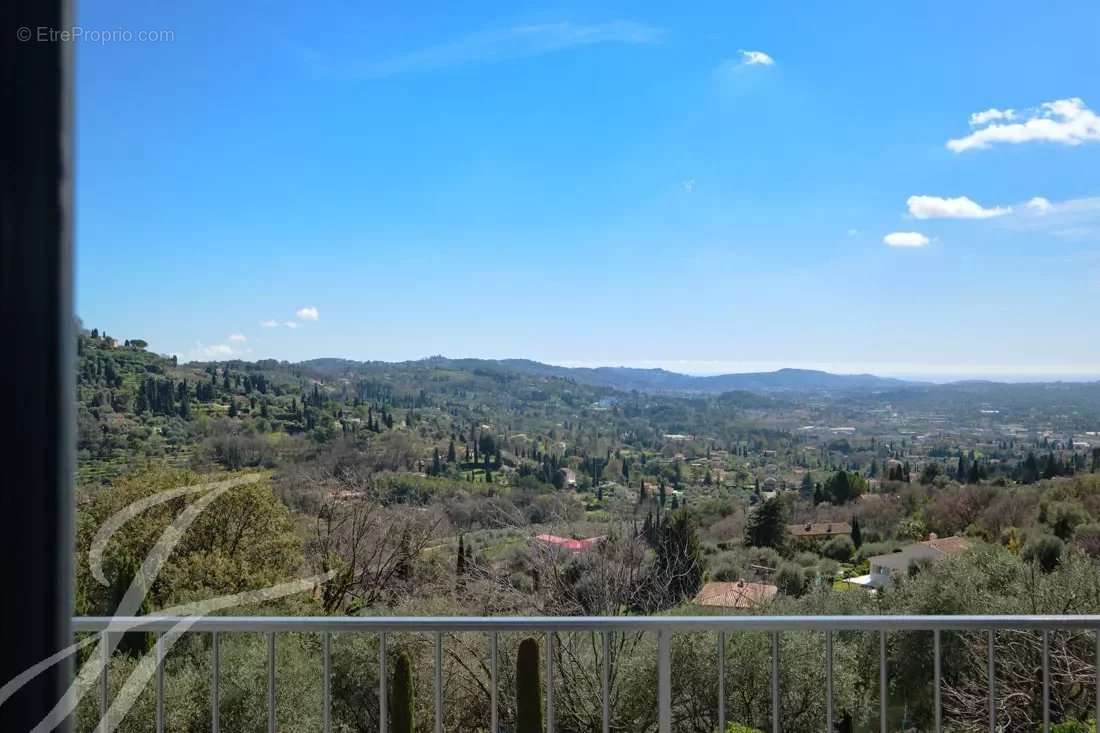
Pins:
<point x="678" y="566"/>
<point x="765" y="527"/>
<point x="134" y="644"/>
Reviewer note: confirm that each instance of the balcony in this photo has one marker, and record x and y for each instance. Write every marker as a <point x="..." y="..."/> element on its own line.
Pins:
<point x="600" y="630"/>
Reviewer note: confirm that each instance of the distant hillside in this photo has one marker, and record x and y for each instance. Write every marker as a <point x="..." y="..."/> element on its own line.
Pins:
<point x="650" y="380"/>
<point x="661" y="380"/>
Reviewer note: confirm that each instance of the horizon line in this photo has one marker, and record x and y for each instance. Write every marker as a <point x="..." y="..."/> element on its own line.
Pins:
<point x="931" y="373"/>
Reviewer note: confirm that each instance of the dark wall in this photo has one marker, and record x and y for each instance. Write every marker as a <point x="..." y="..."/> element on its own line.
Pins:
<point x="36" y="357"/>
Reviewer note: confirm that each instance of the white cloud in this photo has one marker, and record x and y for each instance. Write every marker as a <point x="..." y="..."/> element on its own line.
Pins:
<point x="960" y="207"/>
<point x="1039" y="204"/>
<point x="853" y="232"/>
<point x="269" y="323"/>
<point x="689" y="185"/>
<point x="980" y="118"/>
<point x="516" y="42"/>
<point x="309" y="313"/>
<point x="210" y="352"/>
<point x="291" y="324"/>
<point x="755" y="58"/>
<point x="238" y="337"/>
<point x="1073" y="219"/>
<point x="905" y="239"/>
<point x="1064" y="121"/>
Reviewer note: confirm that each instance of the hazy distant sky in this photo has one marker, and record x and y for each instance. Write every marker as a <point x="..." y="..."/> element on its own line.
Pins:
<point x="720" y="186"/>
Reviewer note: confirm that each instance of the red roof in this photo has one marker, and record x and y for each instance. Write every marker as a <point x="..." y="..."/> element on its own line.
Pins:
<point x="568" y="544"/>
<point x="741" y="594"/>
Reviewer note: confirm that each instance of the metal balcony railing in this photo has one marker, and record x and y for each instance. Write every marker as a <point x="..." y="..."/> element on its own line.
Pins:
<point x="663" y="626"/>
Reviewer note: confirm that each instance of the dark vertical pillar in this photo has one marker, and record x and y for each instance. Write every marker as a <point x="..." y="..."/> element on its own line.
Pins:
<point x="36" y="361"/>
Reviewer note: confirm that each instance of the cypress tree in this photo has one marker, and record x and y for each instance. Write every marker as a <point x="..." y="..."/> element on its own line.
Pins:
<point x="528" y="688"/>
<point x="135" y="644"/>
<point x="857" y="533"/>
<point x="460" y="562"/>
<point x="401" y="696"/>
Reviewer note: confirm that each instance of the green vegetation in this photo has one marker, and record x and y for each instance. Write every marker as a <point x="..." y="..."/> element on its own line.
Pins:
<point x="420" y="488"/>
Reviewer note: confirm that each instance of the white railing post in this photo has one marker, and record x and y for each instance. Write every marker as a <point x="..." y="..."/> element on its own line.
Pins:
<point x="664" y="683"/>
<point x="160" y="683"/>
<point x="775" y="682"/>
<point x="605" y="684"/>
<point x="271" y="682"/>
<point x="936" y="701"/>
<point x="721" y="681"/>
<point x="438" y="682"/>
<point x="883" y="683"/>
<point x="494" y="721"/>
<point x="829" y="681"/>
<point x="551" y="712"/>
<point x="326" y="715"/>
<point x="383" y="709"/>
<point x="215" y="683"/>
<point x="991" y="671"/>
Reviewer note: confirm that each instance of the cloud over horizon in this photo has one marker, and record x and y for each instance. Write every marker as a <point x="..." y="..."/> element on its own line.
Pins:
<point x="905" y="239"/>
<point x="309" y="313"/>
<point x="755" y="58"/>
<point x="960" y="207"/>
<point x="515" y="42"/>
<point x="1063" y="121"/>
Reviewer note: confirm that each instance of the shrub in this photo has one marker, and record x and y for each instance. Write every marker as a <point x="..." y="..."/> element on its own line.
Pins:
<point x="1087" y="537"/>
<point x="1063" y="517"/>
<point x="791" y="579"/>
<point x="1045" y="550"/>
<point x="528" y="688"/>
<point x="806" y="559"/>
<point x="839" y="549"/>
<point x="1072" y="726"/>
<point x="828" y="569"/>
<point x="870" y="549"/>
<point x="739" y="728"/>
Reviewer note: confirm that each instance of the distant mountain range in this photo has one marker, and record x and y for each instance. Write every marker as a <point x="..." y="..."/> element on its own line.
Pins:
<point x="654" y="380"/>
<point x="661" y="380"/>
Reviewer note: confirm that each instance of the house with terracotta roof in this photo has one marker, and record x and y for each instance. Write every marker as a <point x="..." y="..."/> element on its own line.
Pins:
<point x="818" y="530"/>
<point x="885" y="568"/>
<point x="568" y="544"/>
<point x="742" y="594"/>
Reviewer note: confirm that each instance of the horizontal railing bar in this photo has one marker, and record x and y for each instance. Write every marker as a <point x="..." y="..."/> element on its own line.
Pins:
<point x="675" y="624"/>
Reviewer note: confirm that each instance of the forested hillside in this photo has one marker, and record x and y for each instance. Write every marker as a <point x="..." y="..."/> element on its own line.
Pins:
<point x="423" y="488"/>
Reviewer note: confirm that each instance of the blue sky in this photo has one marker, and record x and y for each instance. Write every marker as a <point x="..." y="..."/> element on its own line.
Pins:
<point x="709" y="187"/>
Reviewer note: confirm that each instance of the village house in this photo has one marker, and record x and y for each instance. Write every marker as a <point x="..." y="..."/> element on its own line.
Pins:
<point x="741" y="595"/>
<point x="568" y="544"/>
<point x="885" y="568"/>
<point x="819" y="530"/>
